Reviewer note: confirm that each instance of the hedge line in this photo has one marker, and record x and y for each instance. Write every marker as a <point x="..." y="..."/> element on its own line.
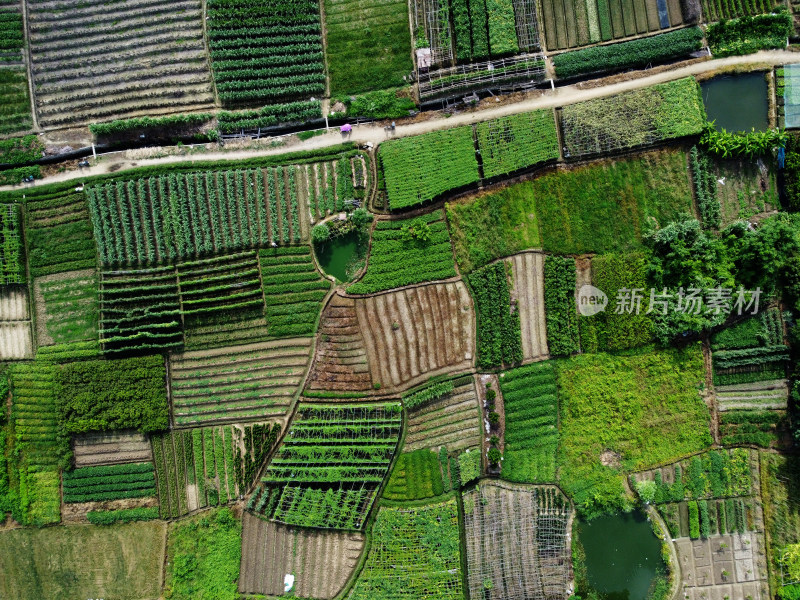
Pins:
<point x="636" y="53"/>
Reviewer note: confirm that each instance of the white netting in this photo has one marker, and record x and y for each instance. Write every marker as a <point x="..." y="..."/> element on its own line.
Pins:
<point x="516" y="540"/>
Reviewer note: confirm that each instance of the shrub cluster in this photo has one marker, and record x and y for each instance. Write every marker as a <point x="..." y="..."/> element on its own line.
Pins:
<point x="750" y="34"/>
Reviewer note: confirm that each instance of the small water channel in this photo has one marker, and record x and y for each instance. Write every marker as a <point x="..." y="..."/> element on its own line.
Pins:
<point x="623" y="556"/>
<point x="337" y="254"/>
<point x="737" y="102"/>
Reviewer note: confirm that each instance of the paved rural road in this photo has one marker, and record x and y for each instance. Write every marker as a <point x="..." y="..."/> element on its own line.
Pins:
<point x="372" y="133"/>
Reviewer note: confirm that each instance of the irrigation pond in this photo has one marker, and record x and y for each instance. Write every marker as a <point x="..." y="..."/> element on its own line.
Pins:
<point x="737" y="102"/>
<point x="623" y="555"/>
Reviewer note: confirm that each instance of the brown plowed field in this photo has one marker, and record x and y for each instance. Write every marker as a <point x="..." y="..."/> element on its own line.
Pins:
<point x="529" y="292"/>
<point x="341" y="359"/>
<point x="417" y="332"/>
<point x="321" y="562"/>
<point x="111" y="448"/>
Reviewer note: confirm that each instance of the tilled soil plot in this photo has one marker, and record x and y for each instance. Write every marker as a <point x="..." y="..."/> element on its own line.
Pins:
<point x="341" y="359"/>
<point x="321" y="562"/>
<point x="529" y="293"/>
<point x="110" y="448"/>
<point x="417" y="332"/>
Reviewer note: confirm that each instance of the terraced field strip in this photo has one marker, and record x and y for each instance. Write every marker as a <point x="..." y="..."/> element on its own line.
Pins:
<point x="293" y="290"/>
<point x="332" y="462"/>
<point x="417" y="331"/>
<point x="59" y="233"/>
<point x="516" y="537"/>
<point x="110" y="448"/>
<point x="15" y="324"/>
<point x="340" y="362"/>
<point x="762" y="395"/>
<point x="249" y="382"/>
<point x="111" y="482"/>
<point x="321" y="561"/>
<point x="209" y="466"/>
<point x="140" y="310"/>
<point x="146" y="57"/>
<point x="223" y="288"/>
<point x="453" y="420"/>
<point x="190" y="215"/>
<point x="528" y="276"/>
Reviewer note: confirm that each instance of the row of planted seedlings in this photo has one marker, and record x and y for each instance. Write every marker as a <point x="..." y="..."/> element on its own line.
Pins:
<point x="329" y="469"/>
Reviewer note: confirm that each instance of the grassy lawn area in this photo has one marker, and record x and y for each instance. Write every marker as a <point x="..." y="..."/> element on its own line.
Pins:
<point x="369" y="44"/>
<point x="604" y="207"/>
<point x="82" y="561"/>
<point x="620" y="413"/>
<point x="493" y="225"/>
<point x="203" y="556"/>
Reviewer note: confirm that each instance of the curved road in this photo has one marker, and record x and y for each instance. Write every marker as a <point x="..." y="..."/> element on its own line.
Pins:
<point x="569" y="94"/>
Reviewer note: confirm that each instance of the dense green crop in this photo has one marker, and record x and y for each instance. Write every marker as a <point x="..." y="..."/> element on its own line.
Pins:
<point x="531" y="435"/>
<point x="750" y="34"/>
<point x="516" y="142"/>
<point x="422" y="167"/>
<point x="400" y="257"/>
<point x="100" y="395"/>
<point x="627" y="55"/>
<point x="644" y="409"/>
<point x="559" y="302"/>
<point x="499" y="337"/>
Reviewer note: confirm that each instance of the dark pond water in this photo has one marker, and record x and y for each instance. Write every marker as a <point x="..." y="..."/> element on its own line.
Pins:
<point x="623" y="555"/>
<point x="737" y="102"/>
<point x="334" y="255"/>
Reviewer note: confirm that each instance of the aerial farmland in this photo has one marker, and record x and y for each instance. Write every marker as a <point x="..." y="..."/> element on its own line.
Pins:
<point x="382" y="300"/>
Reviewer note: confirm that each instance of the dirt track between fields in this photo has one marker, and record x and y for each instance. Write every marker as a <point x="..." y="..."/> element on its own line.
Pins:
<point x="376" y="134"/>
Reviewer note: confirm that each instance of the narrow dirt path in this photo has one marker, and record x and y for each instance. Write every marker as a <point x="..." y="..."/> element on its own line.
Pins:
<point x="362" y="134"/>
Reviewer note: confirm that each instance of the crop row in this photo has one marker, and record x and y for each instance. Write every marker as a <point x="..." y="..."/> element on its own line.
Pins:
<point x="15" y="106"/>
<point x="59" y="233"/>
<point x="161" y="219"/>
<point x="244" y="382"/>
<point x="38" y="446"/>
<point x="140" y="312"/>
<point x="421" y="168"/>
<point x="220" y="289"/>
<point x="516" y="142"/>
<point x="12" y="263"/>
<point x="758" y="428"/>
<point x="332" y="483"/>
<point x="705" y="188"/>
<point x="629" y="55"/>
<point x="267" y="37"/>
<point x="206" y="467"/>
<point x="293" y="290"/>
<point x="116" y="482"/>
<point x="531" y="435"/>
<point x="268" y="116"/>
